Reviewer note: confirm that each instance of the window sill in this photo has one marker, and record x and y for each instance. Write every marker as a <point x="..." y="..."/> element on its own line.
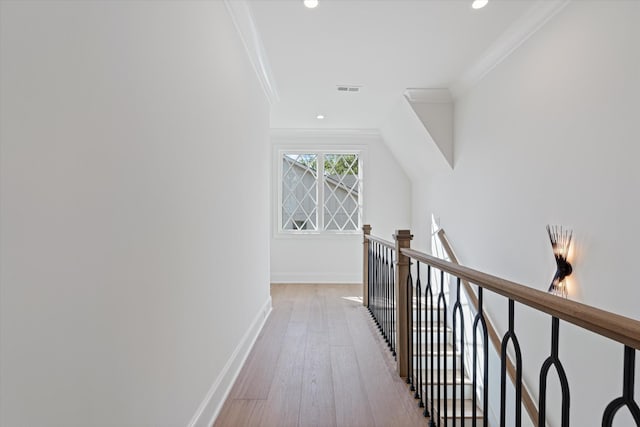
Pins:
<point x="338" y="235"/>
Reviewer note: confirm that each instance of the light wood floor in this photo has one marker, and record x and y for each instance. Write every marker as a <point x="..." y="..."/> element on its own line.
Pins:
<point x="319" y="361"/>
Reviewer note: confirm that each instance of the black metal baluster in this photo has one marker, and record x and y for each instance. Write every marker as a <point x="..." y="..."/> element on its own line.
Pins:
<point x="430" y="327"/>
<point x="383" y="278"/>
<point x="375" y="282"/>
<point x="627" y="397"/>
<point x="390" y="300"/>
<point x="457" y="308"/>
<point x="380" y="288"/>
<point x="479" y="319"/>
<point x="388" y="280"/>
<point x="372" y="280"/>
<point x="392" y="278"/>
<point x="455" y="336"/>
<point x="369" y="276"/>
<point x="436" y="353"/>
<point x="385" y="288"/>
<point x="409" y="308"/>
<point x="425" y="369"/>
<point x="418" y="335"/>
<point x="442" y="352"/>
<point x="564" y="384"/>
<point x="510" y="335"/>
<point x="378" y="291"/>
<point x="378" y="313"/>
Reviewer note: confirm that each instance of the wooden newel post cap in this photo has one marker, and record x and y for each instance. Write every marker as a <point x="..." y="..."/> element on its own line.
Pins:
<point x="403" y="236"/>
<point x="366" y="230"/>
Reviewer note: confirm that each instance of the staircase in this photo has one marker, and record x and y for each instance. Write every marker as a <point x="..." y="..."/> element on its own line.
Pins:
<point x="433" y="362"/>
<point x="440" y="383"/>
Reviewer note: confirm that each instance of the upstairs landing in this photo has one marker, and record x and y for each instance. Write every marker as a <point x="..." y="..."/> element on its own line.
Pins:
<point x="319" y="361"/>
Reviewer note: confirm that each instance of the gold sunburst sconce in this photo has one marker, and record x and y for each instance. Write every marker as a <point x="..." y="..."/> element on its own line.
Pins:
<point x="560" y="242"/>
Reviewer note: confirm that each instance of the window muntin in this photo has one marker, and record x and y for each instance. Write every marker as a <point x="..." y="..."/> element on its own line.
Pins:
<point x="299" y="192"/>
<point x="320" y="191"/>
<point x="341" y="204"/>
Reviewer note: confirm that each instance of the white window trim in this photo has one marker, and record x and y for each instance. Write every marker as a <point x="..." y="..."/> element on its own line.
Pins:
<point x="279" y="151"/>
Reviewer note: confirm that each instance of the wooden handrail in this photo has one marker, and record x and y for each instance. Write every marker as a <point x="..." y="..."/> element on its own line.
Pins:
<point x="613" y="326"/>
<point x="383" y="242"/>
<point x="527" y="400"/>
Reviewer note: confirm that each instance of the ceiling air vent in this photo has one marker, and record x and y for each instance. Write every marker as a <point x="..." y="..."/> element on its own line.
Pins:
<point x="352" y="89"/>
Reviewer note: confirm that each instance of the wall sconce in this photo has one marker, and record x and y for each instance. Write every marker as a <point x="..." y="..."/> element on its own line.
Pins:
<point x="560" y="242"/>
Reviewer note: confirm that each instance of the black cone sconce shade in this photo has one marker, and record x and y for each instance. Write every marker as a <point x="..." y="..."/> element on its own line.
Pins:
<point x="560" y="242"/>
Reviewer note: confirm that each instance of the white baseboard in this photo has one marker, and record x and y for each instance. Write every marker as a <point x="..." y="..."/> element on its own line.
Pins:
<point x="210" y="407"/>
<point x="318" y="283"/>
<point x="317" y="277"/>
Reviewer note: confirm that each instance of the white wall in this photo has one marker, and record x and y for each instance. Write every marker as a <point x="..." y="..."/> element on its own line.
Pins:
<point x="130" y="269"/>
<point x="386" y="206"/>
<point x="550" y="136"/>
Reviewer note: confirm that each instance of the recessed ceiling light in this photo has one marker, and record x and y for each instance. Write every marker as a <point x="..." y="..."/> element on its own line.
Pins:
<point x="311" y="3"/>
<point x="345" y="88"/>
<point x="320" y="117"/>
<point x="479" y="4"/>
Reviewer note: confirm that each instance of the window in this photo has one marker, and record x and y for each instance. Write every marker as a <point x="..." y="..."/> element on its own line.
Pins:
<point x="320" y="191"/>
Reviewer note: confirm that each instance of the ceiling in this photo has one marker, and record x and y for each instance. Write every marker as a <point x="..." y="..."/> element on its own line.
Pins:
<point x="385" y="46"/>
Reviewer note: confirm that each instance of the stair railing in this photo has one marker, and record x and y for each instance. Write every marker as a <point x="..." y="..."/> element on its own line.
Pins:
<point x="419" y="330"/>
<point x="489" y="331"/>
<point x="379" y="293"/>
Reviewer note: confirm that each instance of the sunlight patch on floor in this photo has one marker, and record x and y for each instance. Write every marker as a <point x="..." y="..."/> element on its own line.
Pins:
<point x="354" y="299"/>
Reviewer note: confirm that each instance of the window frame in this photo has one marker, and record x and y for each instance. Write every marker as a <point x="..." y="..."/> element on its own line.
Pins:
<point x="320" y="151"/>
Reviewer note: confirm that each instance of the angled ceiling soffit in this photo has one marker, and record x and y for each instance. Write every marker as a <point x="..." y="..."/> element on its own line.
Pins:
<point x="434" y="109"/>
<point x="412" y="144"/>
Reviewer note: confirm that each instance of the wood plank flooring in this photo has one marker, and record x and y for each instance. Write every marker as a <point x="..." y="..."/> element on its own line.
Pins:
<point x="319" y="361"/>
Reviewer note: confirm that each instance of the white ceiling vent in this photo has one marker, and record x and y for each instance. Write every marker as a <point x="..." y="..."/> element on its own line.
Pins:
<point x="352" y="89"/>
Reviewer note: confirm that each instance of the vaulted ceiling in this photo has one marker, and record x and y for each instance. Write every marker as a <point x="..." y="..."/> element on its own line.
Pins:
<point x="384" y="46"/>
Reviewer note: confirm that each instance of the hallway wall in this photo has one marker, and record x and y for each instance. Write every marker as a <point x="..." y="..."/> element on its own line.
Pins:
<point x="550" y="136"/>
<point x="125" y="285"/>
<point x="386" y="206"/>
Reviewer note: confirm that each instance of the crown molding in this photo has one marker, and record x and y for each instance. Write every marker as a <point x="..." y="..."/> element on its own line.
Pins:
<point x="516" y="34"/>
<point x="428" y="96"/>
<point x="242" y="18"/>
<point x="323" y="133"/>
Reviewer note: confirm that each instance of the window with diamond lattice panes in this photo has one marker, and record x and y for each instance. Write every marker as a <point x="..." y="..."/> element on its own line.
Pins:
<point x="299" y="192"/>
<point x="320" y="192"/>
<point x="341" y="204"/>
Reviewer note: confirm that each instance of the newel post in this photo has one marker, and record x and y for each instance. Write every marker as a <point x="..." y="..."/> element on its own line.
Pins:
<point x="403" y="300"/>
<point x="366" y="231"/>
